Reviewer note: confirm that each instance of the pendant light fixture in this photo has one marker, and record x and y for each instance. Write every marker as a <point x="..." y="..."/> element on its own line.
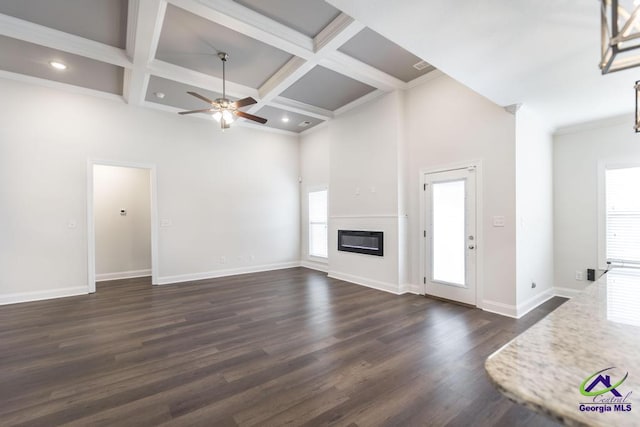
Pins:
<point x="620" y="35"/>
<point x="637" y="88"/>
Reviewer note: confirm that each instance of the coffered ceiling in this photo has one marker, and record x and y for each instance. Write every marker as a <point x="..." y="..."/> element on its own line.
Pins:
<point x="304" y="61"/>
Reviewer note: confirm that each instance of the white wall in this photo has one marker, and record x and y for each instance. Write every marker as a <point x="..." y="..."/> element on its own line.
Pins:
<point x="233" y="195"/>
<point x="123" y="242"/>
<point x="577" y="153"/>
<point x="534" y="210"/>
<point x="364" y="190"/>
<point x="314" y="171"/>
<point x="447" y="123"/>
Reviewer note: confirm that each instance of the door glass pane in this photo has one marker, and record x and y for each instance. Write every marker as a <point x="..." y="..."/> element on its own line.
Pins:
<point x="448" y="231"/>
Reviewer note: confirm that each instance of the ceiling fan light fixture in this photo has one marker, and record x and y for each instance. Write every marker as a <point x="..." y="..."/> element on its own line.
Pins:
<point x="227" y="116"/>
<point x="285" y="119"/>
<point x="222" y="109"/>
<point x="620" y="35"/>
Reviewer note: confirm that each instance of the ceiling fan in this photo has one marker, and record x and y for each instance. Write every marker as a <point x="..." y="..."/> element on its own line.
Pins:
<point x="224" y="109"/>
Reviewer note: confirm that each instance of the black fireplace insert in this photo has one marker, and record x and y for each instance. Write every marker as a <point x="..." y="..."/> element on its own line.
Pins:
<point x="362" y="242"/>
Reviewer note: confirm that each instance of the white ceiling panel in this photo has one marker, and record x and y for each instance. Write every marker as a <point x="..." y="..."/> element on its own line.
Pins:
<point x="373" y="49"/>
<point x="193" y="42"/>
<point x="18" y="56"/>
<point x="326" y="89"/>
<point x="308" y="17"/>
<point x="104" y="21"/>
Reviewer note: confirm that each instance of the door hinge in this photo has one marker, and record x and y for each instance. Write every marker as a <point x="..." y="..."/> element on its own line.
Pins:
<point x="424" y="187"/>
<point x="424" y="233"/>
<point x="424" y="280"/>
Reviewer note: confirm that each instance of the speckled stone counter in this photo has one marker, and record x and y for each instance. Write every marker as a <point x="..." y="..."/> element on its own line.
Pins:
<point x="546" y="367"/>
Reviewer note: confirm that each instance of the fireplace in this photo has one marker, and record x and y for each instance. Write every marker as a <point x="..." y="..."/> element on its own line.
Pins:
<point x="361" y="242"/>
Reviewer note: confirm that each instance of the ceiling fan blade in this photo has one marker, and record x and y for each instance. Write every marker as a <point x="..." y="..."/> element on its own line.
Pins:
<point x="204" y="98"/>
<point x="245" y="101"/>
<point x="250" y="117"/>
<point x="205" y="110"/>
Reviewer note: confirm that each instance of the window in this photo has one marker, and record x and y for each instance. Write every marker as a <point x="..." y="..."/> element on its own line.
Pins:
<point x="622" y="215"/>
<point x="318" y="245"/>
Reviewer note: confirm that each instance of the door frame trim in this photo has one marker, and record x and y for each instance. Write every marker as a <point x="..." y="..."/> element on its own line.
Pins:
<point x="478" y="165"/>
<point x="91" y="226"/>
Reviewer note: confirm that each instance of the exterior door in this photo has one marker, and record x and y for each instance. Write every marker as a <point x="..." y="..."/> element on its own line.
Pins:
<point x="450" y="235"/>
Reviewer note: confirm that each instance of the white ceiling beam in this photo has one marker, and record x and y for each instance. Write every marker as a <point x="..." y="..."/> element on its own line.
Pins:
<point x="322" y="50"/>
<point x="196" y="78"/>
<point x="351" y="67"/>
<point x="250" y="23"/>
<point x="337" y="33"/>
<point x="54" y="39"/>
<point x="334" y="35"/>
<point x="143" y="33"/>
<point x="301" y="108"/>
<point x="360" y="101"/>
<point x="288" y="74"/>
<point x="433" y="74"/>
<point x="80" y="90"/>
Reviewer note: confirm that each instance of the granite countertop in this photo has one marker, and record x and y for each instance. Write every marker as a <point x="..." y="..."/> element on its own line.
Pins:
<point x="545" y="367"/>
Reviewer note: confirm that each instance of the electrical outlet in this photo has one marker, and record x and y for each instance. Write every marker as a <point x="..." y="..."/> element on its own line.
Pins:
<point x="579" y="275"/>
<point x="223" y="260"/>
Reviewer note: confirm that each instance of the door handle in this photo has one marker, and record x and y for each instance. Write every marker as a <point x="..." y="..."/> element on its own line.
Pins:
<point x="471" y="247"/>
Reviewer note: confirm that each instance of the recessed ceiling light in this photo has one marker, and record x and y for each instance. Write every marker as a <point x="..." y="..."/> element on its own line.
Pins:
<point x="58" y="65"/>
<point x="285" y="119"/>
<point x="159" y="94"/>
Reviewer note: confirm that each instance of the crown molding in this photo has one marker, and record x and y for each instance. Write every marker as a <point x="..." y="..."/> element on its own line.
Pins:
<point x="617" y="120"/>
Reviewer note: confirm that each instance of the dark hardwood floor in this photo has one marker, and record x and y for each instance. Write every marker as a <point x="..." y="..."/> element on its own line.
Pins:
<point x="285" y="347"/>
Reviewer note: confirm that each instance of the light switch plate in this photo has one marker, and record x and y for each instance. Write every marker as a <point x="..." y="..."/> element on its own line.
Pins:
<point x="498" y="221"/>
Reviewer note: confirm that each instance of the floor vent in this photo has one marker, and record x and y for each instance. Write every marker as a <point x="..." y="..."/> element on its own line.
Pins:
<point x="304" y="124"/>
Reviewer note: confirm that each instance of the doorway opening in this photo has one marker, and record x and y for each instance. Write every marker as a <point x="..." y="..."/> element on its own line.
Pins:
<point x="121" y="216"/>
<point x="450" y="246"/>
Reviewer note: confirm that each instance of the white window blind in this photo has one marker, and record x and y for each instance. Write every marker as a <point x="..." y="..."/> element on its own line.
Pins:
<point x="622" y="194"/>
<point x="318" y="244"/>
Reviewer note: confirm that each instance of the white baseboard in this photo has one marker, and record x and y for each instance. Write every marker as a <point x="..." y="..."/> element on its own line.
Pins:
<point x="409" y="288"/>
<point x="123" y="275"/>
<point x="518" y="311"/>
<point x="534" y="302"/>
<point x="226" y="272"/>
<point x="565" y="292"/>
<point x="500" y="308"/>
<point x="315" y="265"/>
<point x="42" y="295"/>
<point x="370" y="283"/>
